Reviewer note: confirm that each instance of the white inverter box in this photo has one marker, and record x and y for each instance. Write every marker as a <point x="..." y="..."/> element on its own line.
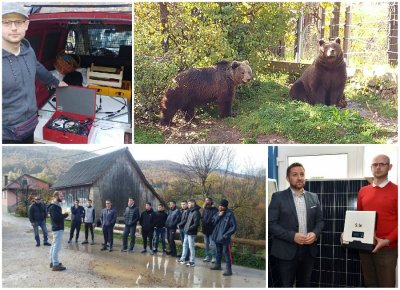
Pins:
<point x="359" y="230"/>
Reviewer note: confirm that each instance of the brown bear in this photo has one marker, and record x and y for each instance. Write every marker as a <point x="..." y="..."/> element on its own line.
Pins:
<point x="323" y="82"/>
<point x="198" y="86"/>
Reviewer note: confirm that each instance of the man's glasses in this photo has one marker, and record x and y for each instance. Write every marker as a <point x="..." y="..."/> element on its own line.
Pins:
<point x="379" y="164"/>
<point x="17" y="23"/>
<point x="107" y="202"/>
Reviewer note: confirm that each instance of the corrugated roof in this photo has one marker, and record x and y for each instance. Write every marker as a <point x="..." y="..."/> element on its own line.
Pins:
<point x="88" y="171"/>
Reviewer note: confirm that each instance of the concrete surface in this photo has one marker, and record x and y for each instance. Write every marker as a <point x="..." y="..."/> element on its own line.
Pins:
<point x="25" y="265"/>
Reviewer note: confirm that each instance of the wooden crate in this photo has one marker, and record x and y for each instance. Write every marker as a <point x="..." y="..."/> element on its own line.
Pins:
<point x="105" y="76"/>
<point x="124" y="92"/>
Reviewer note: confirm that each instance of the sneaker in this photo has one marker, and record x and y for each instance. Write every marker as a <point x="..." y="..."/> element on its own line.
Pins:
<point x="143" y="251"/>
<point x="155" y="251"/>
<point x="151" y="252"/>
<point x="190" y="264"/>
<point x="206" y="259"/>
<point x="103" y="249"/>
<point x="130" y="251"/>
<point x="110" y="250"/>
<point x="168" y="252"/>
<point x="182" y="261"/>
<point x="37" y="245"/>
<point x="51" y="264"/>
<point x="76" y="241"/>
<point x="124" y="250"/>
<point x="213" y="261"/>
<point x="92" y="243"/>
<point x="69" y="241"/>
<point x="58" y="268"/>
<point x="47" y="244"/>
<point x="85" y="242"/>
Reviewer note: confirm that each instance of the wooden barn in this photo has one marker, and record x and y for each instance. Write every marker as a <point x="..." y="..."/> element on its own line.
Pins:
<point x="18" y="191"/>
<point x="115" y="176"/>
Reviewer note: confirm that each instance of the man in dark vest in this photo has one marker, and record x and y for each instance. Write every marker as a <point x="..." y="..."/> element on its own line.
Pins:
<point x="131" y="217"/>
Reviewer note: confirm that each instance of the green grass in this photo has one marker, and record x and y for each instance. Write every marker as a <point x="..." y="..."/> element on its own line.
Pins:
<point x="148" y="136"/>
<point x="384" y="108"/>
<point x="265" y="108"/>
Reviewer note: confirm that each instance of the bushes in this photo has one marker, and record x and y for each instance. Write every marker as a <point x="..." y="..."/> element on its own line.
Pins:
<point x="21" y="211"/>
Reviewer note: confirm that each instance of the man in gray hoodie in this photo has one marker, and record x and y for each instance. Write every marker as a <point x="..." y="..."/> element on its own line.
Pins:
<point x="20" y="70"/>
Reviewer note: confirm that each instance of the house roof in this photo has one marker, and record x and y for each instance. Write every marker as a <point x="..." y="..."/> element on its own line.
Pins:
<point x="17" y="182"/>
<point x="86" y="172"/>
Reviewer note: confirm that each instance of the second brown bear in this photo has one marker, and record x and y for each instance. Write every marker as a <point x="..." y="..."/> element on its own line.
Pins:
<point x="198" y="86"/>
<point x="323" y="82"/>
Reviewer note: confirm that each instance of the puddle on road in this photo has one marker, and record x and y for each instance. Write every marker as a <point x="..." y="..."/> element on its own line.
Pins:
<point x="144" y="270"/>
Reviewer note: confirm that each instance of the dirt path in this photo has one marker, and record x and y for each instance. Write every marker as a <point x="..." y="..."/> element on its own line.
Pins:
<point x="381" y="122"/>
<point x="24" y="265"/>
<point x="213" y="131"/>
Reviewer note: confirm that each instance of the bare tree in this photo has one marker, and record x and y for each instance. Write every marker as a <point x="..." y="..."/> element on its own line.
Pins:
<point x="201" y="161"/>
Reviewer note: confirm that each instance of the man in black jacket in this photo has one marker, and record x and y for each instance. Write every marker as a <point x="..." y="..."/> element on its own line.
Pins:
<point x="37" y="216"/>
<point x="181" y="225"/>
<point x="77" y="217"/>
<point x="295" y="222"/>
<point x="146" y="221"/>
<point x="208" y="213"/>
<point x="224" y="227"/>
<point x="160" y="217"/>
<point x="191" y="227"/>
<point x="171" y="224"/>
<point x="57" y="226"/>
<point x="108" y="219"/>
<point x="131" y="217"/>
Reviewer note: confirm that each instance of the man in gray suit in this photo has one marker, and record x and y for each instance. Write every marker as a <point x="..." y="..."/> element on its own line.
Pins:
<point x="295" y="223"/>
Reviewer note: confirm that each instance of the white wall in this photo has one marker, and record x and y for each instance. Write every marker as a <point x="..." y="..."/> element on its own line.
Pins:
<point x="358" y="159"/>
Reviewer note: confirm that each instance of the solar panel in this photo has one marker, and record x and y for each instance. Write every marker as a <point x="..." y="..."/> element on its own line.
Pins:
<point x="335" y="266"/>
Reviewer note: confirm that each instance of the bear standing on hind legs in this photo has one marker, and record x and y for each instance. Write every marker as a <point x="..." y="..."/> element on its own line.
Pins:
<point x="323" y="82"/>
<point x="198" y="86"/>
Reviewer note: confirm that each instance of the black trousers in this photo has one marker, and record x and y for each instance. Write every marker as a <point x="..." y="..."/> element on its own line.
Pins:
<point x="108" y="234"/>
<point x="129" y="230"/>
<point x="147" y="235"/>
<point x="89" y="226"/>
<point x="75" y="225"/>
<point x="171" y="241"/>
<point x="299" y="269"/>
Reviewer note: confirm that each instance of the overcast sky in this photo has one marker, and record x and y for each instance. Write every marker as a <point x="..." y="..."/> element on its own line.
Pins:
<point x="244" y="154"/>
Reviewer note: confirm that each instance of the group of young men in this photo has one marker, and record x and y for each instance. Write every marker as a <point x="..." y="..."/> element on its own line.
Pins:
<point x="218" y="225"/>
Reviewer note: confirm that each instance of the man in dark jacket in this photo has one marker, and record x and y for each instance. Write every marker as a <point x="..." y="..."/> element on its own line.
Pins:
<point x="171" y="224"/>
<point x="131" y="217"/>
<point x="77" y="217"/>
<point x="208" y="213"/>
<point x="146" y="221"/>
<point x="37" y="216"/>
<point x="108" y="219"/>
<point x="224" y="228"/>
<point x="191" y="227"/>
<point x="20" y="71"/>
<point x="159" y="220"/>
<point x="295" y="221"/>
<point x="181" y="225"/>
<point x="57" y="227"/>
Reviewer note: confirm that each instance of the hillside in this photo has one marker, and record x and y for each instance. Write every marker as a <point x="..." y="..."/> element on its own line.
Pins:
<point x="46" y="163"/>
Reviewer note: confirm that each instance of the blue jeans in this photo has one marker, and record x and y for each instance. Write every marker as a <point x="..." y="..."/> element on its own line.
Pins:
<point x="182" y="235"/>
<point x="56" y="246"/>
<point x="226" y="248"/>
<point x="36" y="226"/>
<point x="209" y="243"/>
<point x="188" y="244"/>
<point x="158" y="233"/>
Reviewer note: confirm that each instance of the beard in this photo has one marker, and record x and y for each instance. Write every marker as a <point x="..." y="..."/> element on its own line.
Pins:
<point x="297" y="185"/>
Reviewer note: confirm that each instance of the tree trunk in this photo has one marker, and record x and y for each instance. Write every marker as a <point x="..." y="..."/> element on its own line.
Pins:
<point x="164" y="13"/>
